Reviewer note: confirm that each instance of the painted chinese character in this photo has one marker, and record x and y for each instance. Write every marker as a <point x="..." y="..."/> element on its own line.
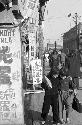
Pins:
<point x="38" y="80"/>
<point x="16" y="75"/>
<point x="32" y="53"/>
<point x="4" y="75"/>
<point x="5" y="55"/>
<point x="6" y="115"/>
<point x="37" y="74"/>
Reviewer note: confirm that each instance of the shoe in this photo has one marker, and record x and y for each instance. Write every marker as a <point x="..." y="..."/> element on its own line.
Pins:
<point x="58" y="124"/>
<point x="62" y="121"/>
<point x="54" y="123"/>
<point x="43" y="122"/>
<point x="68" y="121"/>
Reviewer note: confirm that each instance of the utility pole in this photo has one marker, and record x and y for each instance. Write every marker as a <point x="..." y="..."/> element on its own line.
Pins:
<point x="76" y="18"/>
<point x="55" y="45"/>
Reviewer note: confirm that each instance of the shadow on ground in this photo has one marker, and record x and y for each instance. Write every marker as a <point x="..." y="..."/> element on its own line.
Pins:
<point x="34" y="118"/>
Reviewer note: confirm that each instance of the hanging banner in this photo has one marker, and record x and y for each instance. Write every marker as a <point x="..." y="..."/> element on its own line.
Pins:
<point x="32" y="46"/>
<point x="11" y="106"/>
<point x="27" y="7"/>
<point x="36" y="71"/>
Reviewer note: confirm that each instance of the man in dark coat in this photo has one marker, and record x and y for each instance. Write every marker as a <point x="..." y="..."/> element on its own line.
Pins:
<point x="51" y="98"/>
<point x="54" y="61"/>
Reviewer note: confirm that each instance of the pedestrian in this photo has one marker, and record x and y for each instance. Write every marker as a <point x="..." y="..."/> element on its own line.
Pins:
<point x="51" y="98"/>
<point x="54" y="61"/>
<point x="63" y="57"/>
<point x="67" y="93"/>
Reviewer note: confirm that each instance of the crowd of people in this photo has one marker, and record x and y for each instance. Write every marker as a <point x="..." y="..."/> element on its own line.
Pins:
<point x="60" y="85"/>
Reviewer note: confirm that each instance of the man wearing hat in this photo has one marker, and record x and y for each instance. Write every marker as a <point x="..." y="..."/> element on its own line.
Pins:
<point x="54" y="60"/>
<point x="51" y="84"/>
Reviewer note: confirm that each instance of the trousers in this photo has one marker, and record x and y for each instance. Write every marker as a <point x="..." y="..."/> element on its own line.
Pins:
<point x="67" y="100"/>
<point x="50" y="99"/>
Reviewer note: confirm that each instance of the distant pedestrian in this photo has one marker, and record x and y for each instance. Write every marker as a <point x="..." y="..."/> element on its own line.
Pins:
<point x="63" y="57"/>
<point x="54" y="62"/>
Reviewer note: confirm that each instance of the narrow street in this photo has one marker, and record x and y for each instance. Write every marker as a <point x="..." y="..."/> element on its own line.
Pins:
<point x="36" y="36"/>
<point x="35" y="106"/>
<point x="35" y="114"/>
<point x="36" y="103"/>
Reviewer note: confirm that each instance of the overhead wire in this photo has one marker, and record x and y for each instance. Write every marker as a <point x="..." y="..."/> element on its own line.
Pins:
<point x="61" y="17"/>
<point x="64" y="16"/>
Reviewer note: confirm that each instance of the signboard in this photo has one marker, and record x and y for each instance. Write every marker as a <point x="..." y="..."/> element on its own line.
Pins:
<point x="11" y="107"/>
<point x="27" y="7"/>
<point x="36" y="71"/>
<point x="32" y="46"/>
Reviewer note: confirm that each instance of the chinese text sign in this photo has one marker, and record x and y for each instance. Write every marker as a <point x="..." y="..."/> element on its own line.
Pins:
<point x="11" y="108"/>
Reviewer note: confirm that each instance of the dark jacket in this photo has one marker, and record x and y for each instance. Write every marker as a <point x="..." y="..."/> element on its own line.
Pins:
<point x="54" y="62"/>
<point x="67" y="84"/>
<point x="55" y="84"/>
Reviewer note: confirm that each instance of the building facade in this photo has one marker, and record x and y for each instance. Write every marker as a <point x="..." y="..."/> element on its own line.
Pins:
<point x="72" y="39"/>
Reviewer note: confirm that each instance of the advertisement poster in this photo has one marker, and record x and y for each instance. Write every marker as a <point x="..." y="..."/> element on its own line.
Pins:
<point x="11" y="106"/>
<point x="27" y="7"/>
<point x="36" y="71"/>
<point x="32" y="46"/>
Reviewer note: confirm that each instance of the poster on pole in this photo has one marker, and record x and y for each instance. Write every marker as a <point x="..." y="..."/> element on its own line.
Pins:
<point x="36" y="71"/>
<point x="32" y="46"/>
<point x="11" y="104"/>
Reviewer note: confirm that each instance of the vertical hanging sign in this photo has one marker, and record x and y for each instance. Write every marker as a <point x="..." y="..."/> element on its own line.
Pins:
<point x="11" y="107"/>
<point x="27" y="7"/>
<point x="32" y="42"/>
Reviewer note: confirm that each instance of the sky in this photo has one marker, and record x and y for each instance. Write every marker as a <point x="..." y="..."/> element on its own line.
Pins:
<point x="56" y="20"/>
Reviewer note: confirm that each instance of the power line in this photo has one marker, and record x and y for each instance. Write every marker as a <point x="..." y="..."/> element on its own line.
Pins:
<point x="53" y="18"/>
